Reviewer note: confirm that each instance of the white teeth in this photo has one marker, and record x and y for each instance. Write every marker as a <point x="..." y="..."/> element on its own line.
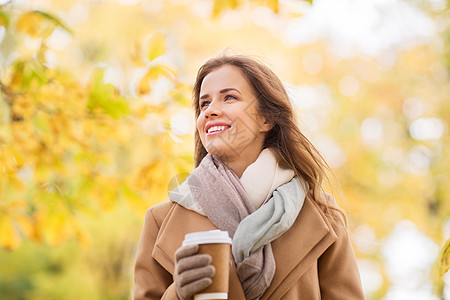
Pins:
<point x="216" y="128"/>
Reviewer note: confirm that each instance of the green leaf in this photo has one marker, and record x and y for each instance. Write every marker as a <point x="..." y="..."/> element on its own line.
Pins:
<point x="181" y="94"/>
<point x="54" y="19"/>
<point x="4" y="19"/>
<point x="105" y="97"/>
<point x="25" y="72"/>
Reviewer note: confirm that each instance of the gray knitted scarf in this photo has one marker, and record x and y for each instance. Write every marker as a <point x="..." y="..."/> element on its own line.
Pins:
<point x="214" y="190"/>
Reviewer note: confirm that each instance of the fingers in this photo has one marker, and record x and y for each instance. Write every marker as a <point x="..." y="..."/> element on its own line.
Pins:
<point x="193" y="262"/>
<point x="184" y="251"/>
<point x="192" y="275"/>
<point x="193" y="271"/>
<point x="195" y="287"/>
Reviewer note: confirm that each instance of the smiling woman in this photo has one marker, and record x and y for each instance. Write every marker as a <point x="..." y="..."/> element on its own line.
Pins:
<point x="260" y="179"/>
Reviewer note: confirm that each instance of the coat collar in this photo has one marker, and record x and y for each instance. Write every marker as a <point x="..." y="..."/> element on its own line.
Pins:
<point x="310" y="235"/>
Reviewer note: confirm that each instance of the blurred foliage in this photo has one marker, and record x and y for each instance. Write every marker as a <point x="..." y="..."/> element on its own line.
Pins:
<point x="63" y="143"/>
<point x="93" y="134"/>
<point x="67" y="271"/>
<point x="445" y="258"/>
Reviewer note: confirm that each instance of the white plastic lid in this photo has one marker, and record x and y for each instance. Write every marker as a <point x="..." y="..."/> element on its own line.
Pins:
<point x="208" y="296"/>
<point x="207" y="237"/>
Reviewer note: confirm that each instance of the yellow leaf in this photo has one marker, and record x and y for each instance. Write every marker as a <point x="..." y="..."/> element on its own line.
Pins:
<point x="154" y="178"/>
<point x="141" y="110"/>
<point x="160" y="70"/>
<point x="273" y="5"/>
<point x="295" y="15"/>
<point x="156" y="45"/>
<point x="144" y="85"/>
<point x="9" y="237"/>
<point x="107" y="193"/>
<point x="181" y="94"/>
<point x="445" y="258"/>
<point x="153" y="74"/>
<point x="15" y="205"/>
<point x="23" y="107"/>
<point x="58" y="228"/>
<point x="221" y="5"/>
<point x="53" y="221"/>
<point x="30" y="23"/>
<point x="134" y="199"/>
<point x="82" y="236"/>
<point x="25" y="224"/>
<point x="17" y="76"/>
<point x="146" y="176"/>
<point x="136" y="57"/>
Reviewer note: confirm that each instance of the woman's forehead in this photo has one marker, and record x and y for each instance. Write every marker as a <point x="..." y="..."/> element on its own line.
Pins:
<point x="226" y="76"/>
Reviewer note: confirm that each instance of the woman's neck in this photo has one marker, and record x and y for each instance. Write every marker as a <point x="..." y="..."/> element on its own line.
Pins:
<point x="240" y="163"/>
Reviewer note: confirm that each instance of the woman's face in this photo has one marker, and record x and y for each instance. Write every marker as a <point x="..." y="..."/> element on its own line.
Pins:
<point x="230" y="125"/>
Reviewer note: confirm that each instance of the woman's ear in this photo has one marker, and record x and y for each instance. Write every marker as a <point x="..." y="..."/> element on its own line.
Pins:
<point x="267" y="125"/>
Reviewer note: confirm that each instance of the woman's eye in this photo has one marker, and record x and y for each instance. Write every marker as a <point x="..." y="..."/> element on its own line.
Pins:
<point x="204" y="103"/>
<point x="228" y="97"/>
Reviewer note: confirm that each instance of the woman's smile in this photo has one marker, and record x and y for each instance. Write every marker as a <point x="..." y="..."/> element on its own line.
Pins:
<point x="215" y="128"/>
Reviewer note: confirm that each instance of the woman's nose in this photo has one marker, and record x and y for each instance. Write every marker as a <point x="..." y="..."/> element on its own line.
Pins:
<point x="213" y="109"/>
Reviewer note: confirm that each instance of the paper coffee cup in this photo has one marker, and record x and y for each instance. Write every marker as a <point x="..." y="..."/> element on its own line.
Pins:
<point x="217" y="244"/>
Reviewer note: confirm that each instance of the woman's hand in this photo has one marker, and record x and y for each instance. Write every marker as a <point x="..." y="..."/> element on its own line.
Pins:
<point x="193" y="272"/>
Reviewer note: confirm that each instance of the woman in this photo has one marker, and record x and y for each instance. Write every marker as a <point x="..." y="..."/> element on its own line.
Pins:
<point x="260" y="179"/>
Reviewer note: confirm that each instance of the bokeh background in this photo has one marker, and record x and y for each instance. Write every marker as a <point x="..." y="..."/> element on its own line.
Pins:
<point x="96" y="126"/>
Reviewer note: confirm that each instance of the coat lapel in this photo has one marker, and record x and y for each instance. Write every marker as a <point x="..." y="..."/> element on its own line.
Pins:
<point x="180" y="221"/>
<point x="298" y="248"/>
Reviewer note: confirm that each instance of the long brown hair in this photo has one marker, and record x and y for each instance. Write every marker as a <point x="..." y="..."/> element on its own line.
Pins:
<point x="291" y="148"/>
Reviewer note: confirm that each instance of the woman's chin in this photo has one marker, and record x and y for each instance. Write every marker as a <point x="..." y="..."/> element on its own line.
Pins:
<point x="218" y="149"/>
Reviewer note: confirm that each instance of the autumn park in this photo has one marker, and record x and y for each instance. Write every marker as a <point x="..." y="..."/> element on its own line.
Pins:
<point x="97" y="125"/>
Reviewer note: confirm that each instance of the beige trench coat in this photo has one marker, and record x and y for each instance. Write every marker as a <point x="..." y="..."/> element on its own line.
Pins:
<point x="314" y="259"/>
